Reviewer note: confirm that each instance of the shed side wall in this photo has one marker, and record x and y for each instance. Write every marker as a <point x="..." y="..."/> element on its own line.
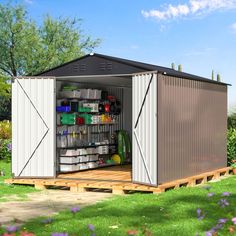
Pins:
<point x="192" y="127"/>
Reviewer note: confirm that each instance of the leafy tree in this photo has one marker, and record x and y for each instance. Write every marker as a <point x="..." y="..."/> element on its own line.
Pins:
<point x="27" y="48"/>
<point x="218" y="78"/>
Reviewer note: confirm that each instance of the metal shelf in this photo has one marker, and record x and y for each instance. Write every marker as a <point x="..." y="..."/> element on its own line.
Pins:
<point x="111" y="123"/>
<point x="88" y="146"/>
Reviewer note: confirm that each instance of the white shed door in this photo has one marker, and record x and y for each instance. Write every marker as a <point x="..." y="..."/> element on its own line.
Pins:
<point x="33" y="127"/>
<point x="144" y="138"/>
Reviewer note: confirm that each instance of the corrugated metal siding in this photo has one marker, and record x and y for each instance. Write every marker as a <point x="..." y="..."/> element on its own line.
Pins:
<point x="146" y="129"/>
<point x="33" y="106"/>
<point x="192" y="127"/>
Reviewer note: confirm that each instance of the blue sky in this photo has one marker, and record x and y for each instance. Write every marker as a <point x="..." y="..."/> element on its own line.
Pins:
<point x="199" y="34"/>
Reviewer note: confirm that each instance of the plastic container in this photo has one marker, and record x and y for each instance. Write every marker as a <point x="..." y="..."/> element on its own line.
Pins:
<point x="70" y="94"/>
<point x="103" y="149"/>
<point x="82" y="151"/>
<point x="68" y="152"/>
<point x="82" y="166"/>
<point x="62" y="141"/>
<point x="92" y="164"/>
<point x="69" y="160"/>
<point x="68" y="119"/>
<point x="67" y="168"/>
<point x="63" y="109"/>
<point x="83" y="158"/>
<point x="93" y="106"/>
<point x="91" y="150"/>
<point x="93" y="157"/>
<point x="71" y="140"/>
<point x="97" y="94"/>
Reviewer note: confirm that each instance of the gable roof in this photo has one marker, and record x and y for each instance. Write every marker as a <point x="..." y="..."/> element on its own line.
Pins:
<point x="98" y="64"/>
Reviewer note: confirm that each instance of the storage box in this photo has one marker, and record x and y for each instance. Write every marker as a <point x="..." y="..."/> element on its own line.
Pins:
<point x="83" y="158"/>
<point x="68" y="152"/>
<point x="69" y="160"/>
<point x="70" y="94"/>
<point x="92" y="164"/>
<point x="93" y="157"/>
<point x="103" y="149"/>
<point x="93" y="106"/>
<point x="68" y="167"/>
<point x="91" y="150"/>
<point x="68" y="119"/>
<point x="82" y="166"/>
<point x="82" y="151"/>
<point x="63" y="108"/>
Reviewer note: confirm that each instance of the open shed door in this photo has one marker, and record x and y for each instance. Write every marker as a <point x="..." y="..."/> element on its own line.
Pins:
<point x="33" y="127"/>
<point x="144" y="128"/>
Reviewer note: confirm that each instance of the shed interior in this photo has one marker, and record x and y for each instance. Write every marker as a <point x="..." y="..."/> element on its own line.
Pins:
<point x="94" y="126"/>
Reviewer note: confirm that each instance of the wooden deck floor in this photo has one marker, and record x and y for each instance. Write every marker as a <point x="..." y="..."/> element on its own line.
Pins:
<point x="113" y="173"/>
<point x="116" y="179"/>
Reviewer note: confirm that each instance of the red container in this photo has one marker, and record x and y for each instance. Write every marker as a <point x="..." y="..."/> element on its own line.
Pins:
<point x="79" y="120"/>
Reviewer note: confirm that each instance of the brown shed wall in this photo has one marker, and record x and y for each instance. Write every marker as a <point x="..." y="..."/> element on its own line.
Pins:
<point x="192" y="124"/>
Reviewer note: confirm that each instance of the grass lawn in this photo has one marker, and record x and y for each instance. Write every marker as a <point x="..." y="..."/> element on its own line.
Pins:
<point x="6" y="190"/>
<point x="171" y="213"/>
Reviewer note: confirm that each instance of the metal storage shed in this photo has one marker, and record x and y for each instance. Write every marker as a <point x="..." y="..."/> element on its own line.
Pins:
<point x="177" y="121"/>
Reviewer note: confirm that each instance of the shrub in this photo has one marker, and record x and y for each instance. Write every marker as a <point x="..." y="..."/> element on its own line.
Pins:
<point x="5" y="129"/>
<point x="231" y="145"/>
<point x="5" y="149"/>
<point x="232" y="120"/>
<point x="5" y="108"/>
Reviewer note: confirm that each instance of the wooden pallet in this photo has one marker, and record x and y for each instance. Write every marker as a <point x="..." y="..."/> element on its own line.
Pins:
<point x="115" y="182"/>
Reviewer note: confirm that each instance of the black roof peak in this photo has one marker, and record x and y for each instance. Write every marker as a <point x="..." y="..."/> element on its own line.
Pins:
<point x="141" y="66"/>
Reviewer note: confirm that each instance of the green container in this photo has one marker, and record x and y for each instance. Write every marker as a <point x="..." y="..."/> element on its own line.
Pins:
<point x="85" y="109"/>
<point x="68" y="119"/>
<point x="87" y="118"/>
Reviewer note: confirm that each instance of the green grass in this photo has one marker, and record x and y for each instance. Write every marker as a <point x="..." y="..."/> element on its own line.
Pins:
<point x="9" y="192"/>
<point x="170" y="213"/>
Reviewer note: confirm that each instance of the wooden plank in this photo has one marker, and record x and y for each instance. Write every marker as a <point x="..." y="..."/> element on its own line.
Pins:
<point x="40" y="187"/>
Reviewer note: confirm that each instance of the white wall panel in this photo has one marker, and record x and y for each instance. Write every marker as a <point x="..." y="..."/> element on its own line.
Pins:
<point x="33" y="127"/>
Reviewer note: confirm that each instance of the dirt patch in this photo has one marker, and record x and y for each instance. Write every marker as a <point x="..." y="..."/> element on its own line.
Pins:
<point x="45" y="203"/>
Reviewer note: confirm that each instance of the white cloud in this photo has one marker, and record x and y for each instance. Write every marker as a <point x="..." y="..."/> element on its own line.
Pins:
<point x="233" y="27"/>
<point x="29" y="1"/>
<point x="192" y="7"/>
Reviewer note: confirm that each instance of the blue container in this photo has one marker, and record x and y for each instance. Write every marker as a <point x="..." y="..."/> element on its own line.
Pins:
<point x="63" y="108"/>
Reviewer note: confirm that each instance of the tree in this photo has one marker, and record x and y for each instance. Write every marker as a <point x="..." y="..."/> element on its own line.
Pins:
<point x="218" y="78"/>
<point x="27" y="48"/>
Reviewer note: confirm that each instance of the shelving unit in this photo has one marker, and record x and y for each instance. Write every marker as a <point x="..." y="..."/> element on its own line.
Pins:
<point x="96" y="157"/>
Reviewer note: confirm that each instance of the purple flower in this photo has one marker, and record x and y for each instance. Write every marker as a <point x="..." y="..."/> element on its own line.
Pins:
<point x="75" y="209"/>
<point x="9" y="147"/>
<point x="91" y="227"/>
<point x="223" y="203"/>
<point x="209" y="233"/>
<point x="222" y="221"/>
<point x="225" y="194"/>
<point x="47" y="221"/>
<point x="210" y="194"/>
<point x="59" y="234"/>
<point x="12" y="229"/>
<point x="200" y="216"/>
<point x="234" y="220"/>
